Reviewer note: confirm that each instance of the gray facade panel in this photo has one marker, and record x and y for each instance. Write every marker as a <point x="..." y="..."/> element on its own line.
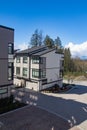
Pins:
<point x="6" y="36"/>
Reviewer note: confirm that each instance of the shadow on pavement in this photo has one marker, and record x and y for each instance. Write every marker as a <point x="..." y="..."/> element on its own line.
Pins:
<point x="72" y="111"/>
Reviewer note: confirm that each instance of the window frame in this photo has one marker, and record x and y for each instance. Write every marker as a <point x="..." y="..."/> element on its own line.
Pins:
<point x="25" y="60"/>
<point x="35" y="73"/>
<point x="35" y="60"/>
<point x="25" y="75"/>
<point x="38" y="73"/>
<point x="18" y="73"/>
<point x="10" y="48"/>
<point x="10" y="73"/>
<point x="18" y="59"/>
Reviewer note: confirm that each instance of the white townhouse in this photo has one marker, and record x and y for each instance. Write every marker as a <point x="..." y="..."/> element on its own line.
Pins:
<point x="6" y="60"/>
<point x="38" y="68"/>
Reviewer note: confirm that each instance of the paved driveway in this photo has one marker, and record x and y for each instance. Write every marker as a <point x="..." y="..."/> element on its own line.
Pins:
<point x="71" y="106"/>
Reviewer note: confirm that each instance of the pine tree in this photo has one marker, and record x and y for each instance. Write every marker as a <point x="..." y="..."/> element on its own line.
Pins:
<point x="48" y="41"/>
<point x="36" y="39"/>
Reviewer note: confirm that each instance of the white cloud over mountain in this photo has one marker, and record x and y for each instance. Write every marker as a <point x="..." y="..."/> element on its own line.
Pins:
<point x="79" y="50"/>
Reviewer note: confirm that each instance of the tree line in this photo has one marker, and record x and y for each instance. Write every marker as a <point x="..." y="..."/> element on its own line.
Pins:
<point x="37" y="40"/>
<point x="71" y="65"/>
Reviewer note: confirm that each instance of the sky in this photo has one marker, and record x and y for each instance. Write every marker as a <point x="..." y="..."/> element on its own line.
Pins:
<point x="64" y="18"/>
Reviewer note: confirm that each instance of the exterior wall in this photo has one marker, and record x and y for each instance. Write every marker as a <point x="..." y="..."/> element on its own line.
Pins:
<point x="22" y="80"/>
<point x="52" y="66"/>
<point x="17" y="82"/>
<point x="42" y="87"/>
<point x="5" y="91"/>
<point x="6" y="36"/>
<point x="21" y="65"/>
<point x="35" y="66"/>
<point x="32" y="85"/>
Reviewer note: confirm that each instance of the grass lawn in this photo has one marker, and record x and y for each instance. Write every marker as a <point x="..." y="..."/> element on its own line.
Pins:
<point x="8" y="104"/>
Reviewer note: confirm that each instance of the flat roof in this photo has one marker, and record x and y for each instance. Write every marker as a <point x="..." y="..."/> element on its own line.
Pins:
<point x="1" y="26"/>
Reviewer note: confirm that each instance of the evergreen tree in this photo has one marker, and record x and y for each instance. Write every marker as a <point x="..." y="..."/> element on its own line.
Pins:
<point x="58" y="45"/>
<point x="67" y="60"/>
<point x="36" y="39"/>
<point x="58" y="42"/>
<point x="48" y="41"/>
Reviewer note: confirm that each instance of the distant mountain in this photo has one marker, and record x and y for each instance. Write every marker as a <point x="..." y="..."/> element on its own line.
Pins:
<point x="84" y="57"/>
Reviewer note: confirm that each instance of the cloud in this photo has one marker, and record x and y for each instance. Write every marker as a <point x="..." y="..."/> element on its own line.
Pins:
<point x="79" y="50"/>
<point x="21" y="46"/>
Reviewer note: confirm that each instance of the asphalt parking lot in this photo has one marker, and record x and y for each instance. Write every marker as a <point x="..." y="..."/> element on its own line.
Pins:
<point x="70" y="106"/>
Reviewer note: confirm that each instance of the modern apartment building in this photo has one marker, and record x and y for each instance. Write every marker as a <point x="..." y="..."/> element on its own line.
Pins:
<point x="38" y="68"/>
<point x="6" y="60"/>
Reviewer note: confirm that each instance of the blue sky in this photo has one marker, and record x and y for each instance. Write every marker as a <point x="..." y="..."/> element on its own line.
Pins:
<point x="64" y="18"/>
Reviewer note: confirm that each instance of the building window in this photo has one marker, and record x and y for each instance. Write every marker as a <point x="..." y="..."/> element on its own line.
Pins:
<point x="35" y="73"/>
<point x="17" y="59"/>
<point x="42" y="73"/>
<point x="41" y="60"/>
<point x="3" y="90"/>
<point x="61" y="63"/>
<point x="25" y="59"/>
<point x="18" y="70"/>
<point x="10" y="48"/>
<point x="10" y="71"/>
<point x="61" y="74"/>
<point x="35" y="60"/>
<point x="25" y="72"/>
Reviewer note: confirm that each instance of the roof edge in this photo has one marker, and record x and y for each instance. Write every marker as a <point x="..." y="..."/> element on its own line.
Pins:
<point x="1" y="26"/>
<point x="45" y="52"/>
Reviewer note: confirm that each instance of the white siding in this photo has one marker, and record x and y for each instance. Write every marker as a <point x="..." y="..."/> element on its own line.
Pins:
<point x="21" y="65"/>
<point x="31" y="85"/>
<point x="17" y="82"/>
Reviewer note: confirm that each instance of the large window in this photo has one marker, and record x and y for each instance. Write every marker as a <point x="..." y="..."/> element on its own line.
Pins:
<point x="10" y="48"/>
<point x="35" y="60"/>
<point x="37" y="73"/>
<point x="25" y="72"/>
<point x="17" y="59"/>
<point x="10" y="71"/>
<point x="43" y="73"/>
<point x="18" y="70"/>
<point x="25" y="59"/>
<point x="3" y="90"/>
